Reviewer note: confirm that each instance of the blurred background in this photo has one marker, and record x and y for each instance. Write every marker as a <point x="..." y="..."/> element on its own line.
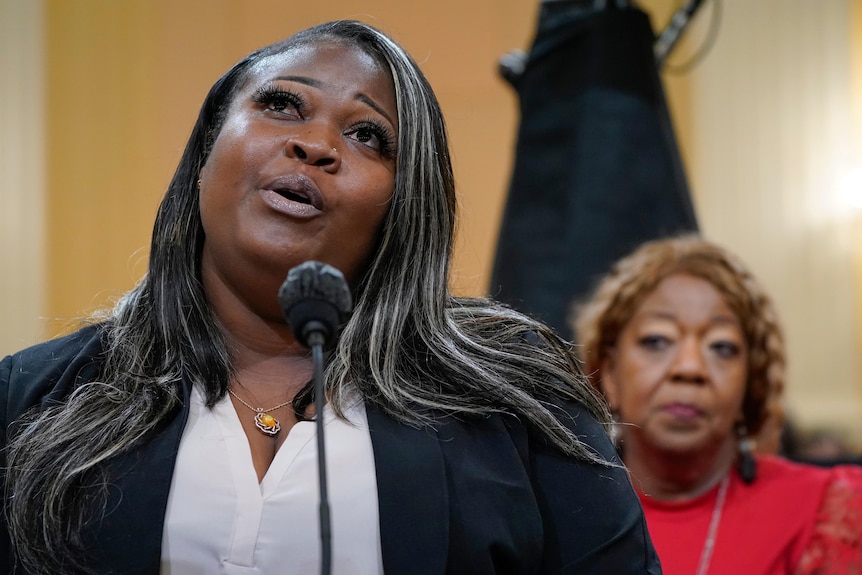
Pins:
<point x="97" y="98"/>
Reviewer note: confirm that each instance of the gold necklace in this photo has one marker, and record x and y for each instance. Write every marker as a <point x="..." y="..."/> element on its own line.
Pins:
<point x="263" y="420"/>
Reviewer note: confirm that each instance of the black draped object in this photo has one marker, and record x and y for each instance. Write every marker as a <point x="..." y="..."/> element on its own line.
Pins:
<point x="597" y="169"/>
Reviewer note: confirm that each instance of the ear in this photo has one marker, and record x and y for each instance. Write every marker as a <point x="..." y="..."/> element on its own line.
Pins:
<point x="607" y="381"/>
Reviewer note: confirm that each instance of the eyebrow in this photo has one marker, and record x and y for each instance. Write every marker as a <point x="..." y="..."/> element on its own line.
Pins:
<point x="719" y="319"/>
<point x="318" y="84"/>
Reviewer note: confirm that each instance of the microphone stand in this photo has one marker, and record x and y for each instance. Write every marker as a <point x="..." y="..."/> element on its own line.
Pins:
<point x="316" y="341"/>
<point x="314" y="298"/>
<point x="671" y="34"/>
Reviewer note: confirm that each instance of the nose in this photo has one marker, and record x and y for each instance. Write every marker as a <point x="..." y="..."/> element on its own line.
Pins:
<point x="314" y="148"/>
<point x="688" y="363"/>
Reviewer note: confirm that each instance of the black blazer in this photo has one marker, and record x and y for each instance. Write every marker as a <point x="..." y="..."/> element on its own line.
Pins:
<point x="472" y="497"/>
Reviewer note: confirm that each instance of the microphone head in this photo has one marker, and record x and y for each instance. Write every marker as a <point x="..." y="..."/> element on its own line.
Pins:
<point x="315" y="299"/>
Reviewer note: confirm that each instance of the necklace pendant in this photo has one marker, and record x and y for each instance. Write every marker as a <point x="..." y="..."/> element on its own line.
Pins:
<point x="267" y="423"/>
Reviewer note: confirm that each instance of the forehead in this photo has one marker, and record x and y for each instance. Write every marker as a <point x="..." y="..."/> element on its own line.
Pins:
<point x="334" y="64"/>
<point x="690" y="296"/>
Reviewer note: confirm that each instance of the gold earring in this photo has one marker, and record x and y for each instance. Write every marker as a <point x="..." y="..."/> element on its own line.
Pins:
<point x="199" y="184"/>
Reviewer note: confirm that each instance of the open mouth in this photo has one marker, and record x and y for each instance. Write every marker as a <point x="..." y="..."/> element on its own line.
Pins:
<point x="296" y="188"/>
<point x="294" y="196"/>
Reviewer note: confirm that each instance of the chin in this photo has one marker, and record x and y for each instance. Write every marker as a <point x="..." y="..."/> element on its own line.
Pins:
<point x="682" y="444"/>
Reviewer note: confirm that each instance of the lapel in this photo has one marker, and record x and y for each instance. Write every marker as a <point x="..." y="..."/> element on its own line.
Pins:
<point x="412" y="495"/>
<point x="130" y="536"/>
<point x="411" y="486"/>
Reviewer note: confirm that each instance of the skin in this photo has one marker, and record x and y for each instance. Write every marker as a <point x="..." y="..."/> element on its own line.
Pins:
<point x="677" y="375"/>
<point x="300" y="171"/>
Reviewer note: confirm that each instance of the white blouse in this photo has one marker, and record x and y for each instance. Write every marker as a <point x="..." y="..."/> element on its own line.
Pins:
<point x="220" y="520"/>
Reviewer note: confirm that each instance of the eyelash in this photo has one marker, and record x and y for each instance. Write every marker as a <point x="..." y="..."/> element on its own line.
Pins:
<point x="653" y="342"/>
<point x="726" y="349"/>
<point x="276" y="98"/>
<point x="383" y="134"/>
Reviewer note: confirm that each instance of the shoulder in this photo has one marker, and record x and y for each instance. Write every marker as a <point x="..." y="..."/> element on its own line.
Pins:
<point x="591" y="510"/>
<point x="58" y="348"/>
<point x="593" y="435"/>
<point x="48" y="370"/>
<point x="842" y="495"/>
<point x="780" y="480"/>
<point x="772" y="468"/>
<point x="834" y="546"/>
<point x="582" y="422"/>
<point x="807" y="482"/>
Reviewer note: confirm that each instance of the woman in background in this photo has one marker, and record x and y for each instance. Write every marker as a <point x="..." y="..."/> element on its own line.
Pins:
<point x="686" y="346"/>
<point x="175" y="436"/>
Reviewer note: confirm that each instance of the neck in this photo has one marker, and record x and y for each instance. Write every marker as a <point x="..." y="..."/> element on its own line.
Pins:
<point x="266" y="359"/>
<point x="268" y="375"/>
<point x="674" y="476"/>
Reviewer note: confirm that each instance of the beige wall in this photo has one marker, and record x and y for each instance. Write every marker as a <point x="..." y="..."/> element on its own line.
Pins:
<point x="772" y="136"/>
<point x="856" y="95"/>
<point x="760" y="122"/>
<point x="22" y="167"/>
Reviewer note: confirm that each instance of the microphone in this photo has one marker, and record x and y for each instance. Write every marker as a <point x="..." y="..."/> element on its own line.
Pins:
<point x="314" y="300"/>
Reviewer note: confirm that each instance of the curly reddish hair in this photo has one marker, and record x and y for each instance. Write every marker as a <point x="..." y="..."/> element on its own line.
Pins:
<point x="599" y="320"/>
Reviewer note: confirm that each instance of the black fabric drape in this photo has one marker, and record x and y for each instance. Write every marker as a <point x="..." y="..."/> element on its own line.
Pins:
<point x="597" y="169"/>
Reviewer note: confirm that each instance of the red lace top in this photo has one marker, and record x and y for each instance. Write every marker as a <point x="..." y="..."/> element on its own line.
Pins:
<point x="793" y="519"/>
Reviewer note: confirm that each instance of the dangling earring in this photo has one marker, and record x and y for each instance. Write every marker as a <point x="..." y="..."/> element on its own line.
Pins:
<point x="745" y="463"/>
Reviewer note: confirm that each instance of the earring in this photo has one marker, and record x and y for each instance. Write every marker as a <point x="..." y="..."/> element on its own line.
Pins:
<point x="199" y="183"/>
<point x="745" y="463"/>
